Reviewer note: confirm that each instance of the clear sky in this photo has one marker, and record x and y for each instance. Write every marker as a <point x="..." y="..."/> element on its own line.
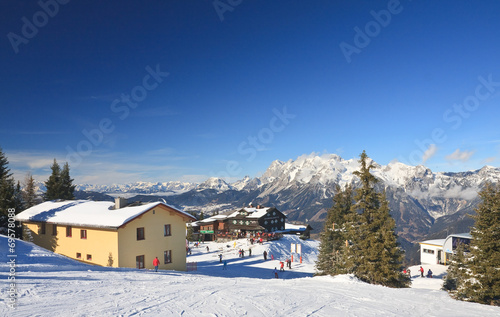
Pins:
<point x="183" y="90"/>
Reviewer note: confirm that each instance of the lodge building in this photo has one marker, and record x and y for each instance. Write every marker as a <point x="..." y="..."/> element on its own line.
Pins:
<point x="266" y="222"/>
<point x="110" y="234"/>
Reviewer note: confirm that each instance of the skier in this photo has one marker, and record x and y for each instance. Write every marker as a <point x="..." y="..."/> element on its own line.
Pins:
<point x="265" y="255"/>
<point x="249" y="251"/>
<point x="282" y="268"/>
<point x="220" y="258"/>
<point x="208" y="250"/>
<point x="275" y="273"/>
<point x="156" y="262"/>
<point x="289" y="263"/>
<point x="421" y="272"/>
<point x="224" y="267"/>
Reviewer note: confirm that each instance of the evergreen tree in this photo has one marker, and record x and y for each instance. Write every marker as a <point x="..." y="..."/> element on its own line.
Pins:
<point x="9" y="194"/>
<point x="484" y="286"/>
<point x="29" y="194"/>
<point x="4" y="169"/>
<point x="53" y="184"/>
<point x="60" y="184"/>
<point x="375" y="251"/>
<point x="67" y="187"/>
<point x="332" y="257"/>
<point x="189" y="234"/>
<point x="457" y="273"/>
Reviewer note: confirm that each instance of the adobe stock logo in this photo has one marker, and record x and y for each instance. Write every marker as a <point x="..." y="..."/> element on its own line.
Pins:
<point x="256" y="143"/>
<point x="222" y="7"/>
<point x="363" y="37"/>
<point x="121" y="106"/>
<point x="454" y="116"/>
<point x="30" y="28"/>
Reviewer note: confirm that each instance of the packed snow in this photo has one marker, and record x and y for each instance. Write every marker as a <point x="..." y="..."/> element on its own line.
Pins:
<point x="48" y="284"/>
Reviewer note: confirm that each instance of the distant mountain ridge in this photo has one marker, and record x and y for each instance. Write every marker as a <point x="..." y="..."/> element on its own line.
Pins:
<point x="424" y="203"/>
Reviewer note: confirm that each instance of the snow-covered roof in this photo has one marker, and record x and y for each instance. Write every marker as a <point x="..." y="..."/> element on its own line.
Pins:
<point x="213" y="218"/>
<point x="289" y="226"/>
<point x="438" y="242"/>
<point x="87" y="213"/>
<point x="461" y="235"/>
<point x="256" y="213"/>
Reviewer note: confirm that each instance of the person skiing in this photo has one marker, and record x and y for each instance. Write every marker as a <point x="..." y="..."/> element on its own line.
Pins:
<point x="220" y="257"/>
<point x="156" y="262"/>
<point x="282" y="266"/>
<point x="275" y="273"/>
<point x="224" y="267"/>
<point x="421" y="272"/>
<point x="289" y="263"/>
<point x="265" y="255"/>
<point x="249" y="251"/>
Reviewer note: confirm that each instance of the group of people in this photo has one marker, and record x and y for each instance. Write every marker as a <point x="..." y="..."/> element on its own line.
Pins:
<point x="421" y="270"/>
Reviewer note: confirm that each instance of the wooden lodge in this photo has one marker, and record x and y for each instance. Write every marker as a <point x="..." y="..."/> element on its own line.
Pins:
<point x="267" y="223"/>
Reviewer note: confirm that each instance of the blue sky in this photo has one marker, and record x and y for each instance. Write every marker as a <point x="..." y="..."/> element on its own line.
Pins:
<point x="185" y="90"/>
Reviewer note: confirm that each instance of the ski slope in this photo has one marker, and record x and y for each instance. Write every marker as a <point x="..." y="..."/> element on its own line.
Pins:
<point x="52" y="285"/>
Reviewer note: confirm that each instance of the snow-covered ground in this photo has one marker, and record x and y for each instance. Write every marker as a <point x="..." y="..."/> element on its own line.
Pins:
<point x="52" y="285"/>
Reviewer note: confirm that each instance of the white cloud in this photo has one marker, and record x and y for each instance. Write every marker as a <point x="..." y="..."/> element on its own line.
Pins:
<point x="430" y="152"/>
<point x="458" y="155"/>
<point x="488" y="160"/>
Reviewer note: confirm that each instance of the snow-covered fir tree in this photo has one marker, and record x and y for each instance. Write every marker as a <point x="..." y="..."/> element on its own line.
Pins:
<point x="375" y="251"/>
<point x="332" y="251"/>
<point x="59" y="185"/>
<point x="481" y="281"/>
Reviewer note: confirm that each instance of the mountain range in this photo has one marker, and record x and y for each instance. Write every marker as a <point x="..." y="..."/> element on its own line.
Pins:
<point x="425" y="204"/>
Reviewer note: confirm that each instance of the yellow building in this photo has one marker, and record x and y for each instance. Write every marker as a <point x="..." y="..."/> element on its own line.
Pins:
<point x="109" y="234"/>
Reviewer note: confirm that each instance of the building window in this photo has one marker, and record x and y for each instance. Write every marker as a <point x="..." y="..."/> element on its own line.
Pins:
<point x="167" y="256"/>
<point x="89" y="257"/>
<point x="68" y="231"/>
<point x="83" y="234"/>
<point x="140" y="233"/>
<point x="139" y="261"/>
<point x="428" y="251"/>
<point x="54" y="230"/>
<point x="78" y="255"/>
<point x="166" y="230"/>
<point x="42" y="228"/>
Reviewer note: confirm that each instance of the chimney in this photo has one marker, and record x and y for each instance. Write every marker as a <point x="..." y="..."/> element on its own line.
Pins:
<point x="120" y="202"/>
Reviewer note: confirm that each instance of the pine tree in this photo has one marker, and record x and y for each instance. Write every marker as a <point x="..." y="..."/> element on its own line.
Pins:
<point x="9" y="194"/>
<point x="484" y="286"/>
<point x="4" y="169"/>
<point x="67" y="187"/>
<point x="189" y="233"/>
<point x="29" y="194"/>
<point x="332" y="257"/>
<point x="457" y="273"/>
<point x="53" y="184"/>
<point x="375" y="251"/>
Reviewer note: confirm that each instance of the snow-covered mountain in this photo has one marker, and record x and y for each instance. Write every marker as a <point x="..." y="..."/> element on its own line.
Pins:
<point x="423" y="203"/>
<point x="214" y="183"/>
<point x="164" y="188"/>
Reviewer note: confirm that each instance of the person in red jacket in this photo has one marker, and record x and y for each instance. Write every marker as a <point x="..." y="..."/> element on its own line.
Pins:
<point x="421" y="271"/>
<point x="156" y="262"/>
